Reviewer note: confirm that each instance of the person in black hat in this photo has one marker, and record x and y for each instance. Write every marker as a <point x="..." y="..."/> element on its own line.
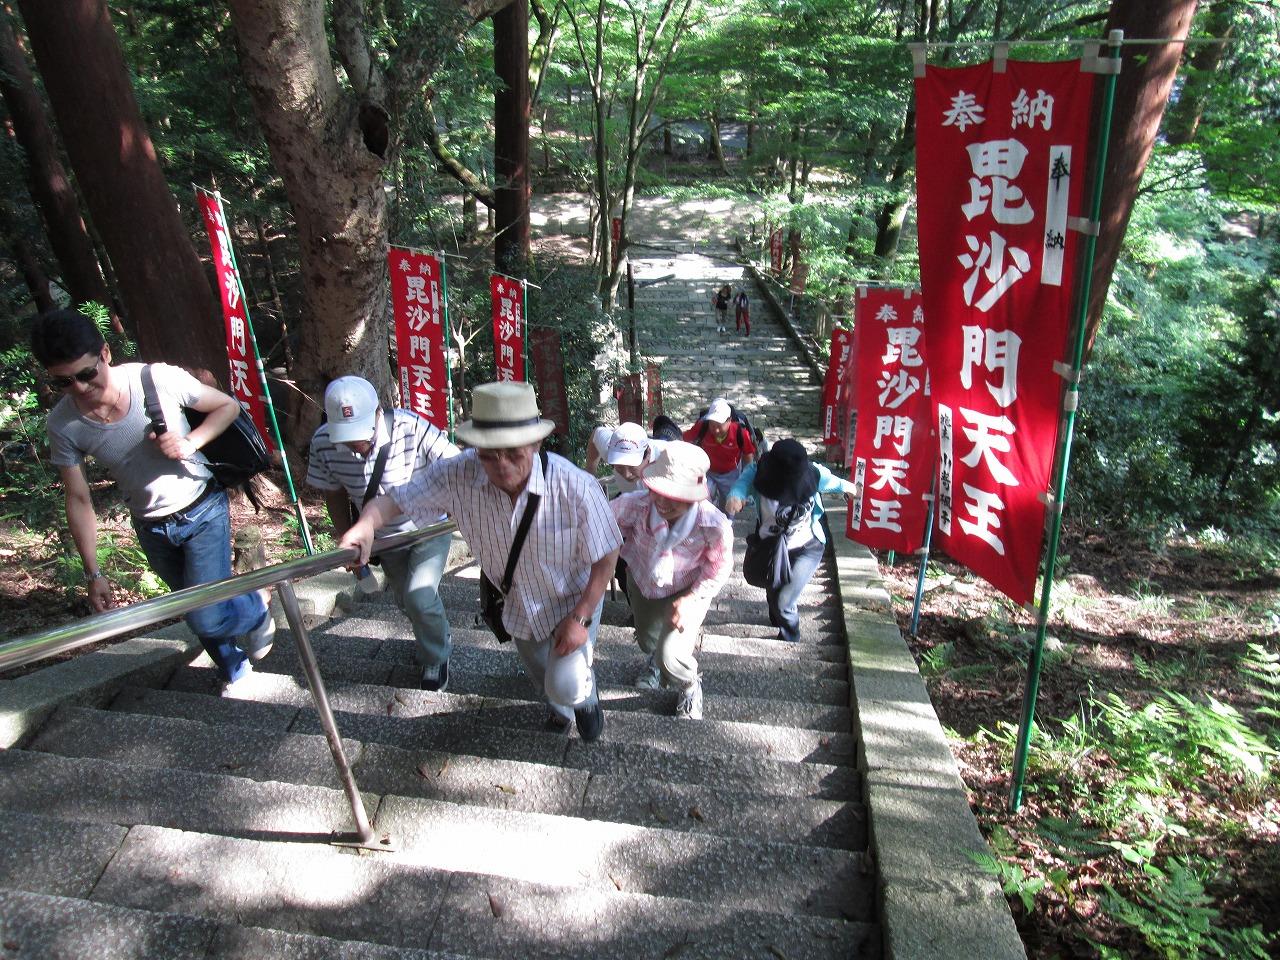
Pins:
<point x="788" y="489"/>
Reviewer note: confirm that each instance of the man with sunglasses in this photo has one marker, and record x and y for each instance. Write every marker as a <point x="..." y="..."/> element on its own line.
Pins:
<point x="179" y="512"/>
<point x="557" y="588"/>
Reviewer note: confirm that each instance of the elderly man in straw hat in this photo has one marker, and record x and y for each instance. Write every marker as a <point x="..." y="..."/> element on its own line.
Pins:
<point x="565" y="563"/>
<point x="679" y="549"/>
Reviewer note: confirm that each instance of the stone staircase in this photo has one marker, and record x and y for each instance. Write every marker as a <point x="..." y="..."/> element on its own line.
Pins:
<point x="166" y="822"/>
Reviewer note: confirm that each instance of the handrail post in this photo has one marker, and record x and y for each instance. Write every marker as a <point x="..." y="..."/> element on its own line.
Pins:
<point x="364" y="830"/>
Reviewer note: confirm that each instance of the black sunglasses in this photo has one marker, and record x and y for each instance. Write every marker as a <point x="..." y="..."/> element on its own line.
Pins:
<point x="86" y="375"/>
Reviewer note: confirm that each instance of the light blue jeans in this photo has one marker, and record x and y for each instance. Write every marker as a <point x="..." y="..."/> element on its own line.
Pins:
<point x="194" y="546"/>
<point x="784" y="602"/>
<point x="414" y="576"/>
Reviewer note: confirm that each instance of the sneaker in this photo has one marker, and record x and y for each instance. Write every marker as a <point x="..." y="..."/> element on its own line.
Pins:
<point x="555" y="723"/>
<point x="690" y="703"/>
<point x="241" y="688"/>
<point x="435" y="678"/>
<point x="590" y="722"/>
<point x="257" y="642"/>
<point x="651" y="678"/>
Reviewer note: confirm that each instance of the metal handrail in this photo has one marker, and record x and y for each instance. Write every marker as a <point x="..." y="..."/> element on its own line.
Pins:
<point x="48" y="643"/>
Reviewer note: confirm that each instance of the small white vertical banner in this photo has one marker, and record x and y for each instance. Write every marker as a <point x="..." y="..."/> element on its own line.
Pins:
<point x="1055" y="215"/>
<point x="946" y="468"/>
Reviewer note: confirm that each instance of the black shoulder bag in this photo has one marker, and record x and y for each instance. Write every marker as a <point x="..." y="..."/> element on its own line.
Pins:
<point x="234" y="455"/>
<point x="371" y="489"/>
<point x="493" y="599"/>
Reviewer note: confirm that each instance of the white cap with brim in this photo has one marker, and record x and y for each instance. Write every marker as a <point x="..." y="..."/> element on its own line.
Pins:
<point x="628" y="447"/>
<point x="503" y="415"/>
<point x="679" y="472"/>
<point x="351" y="407"/>
<point x="719" y="411"/>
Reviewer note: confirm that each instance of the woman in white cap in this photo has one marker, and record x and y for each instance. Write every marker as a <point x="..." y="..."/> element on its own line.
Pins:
<point x="679" y="551"/>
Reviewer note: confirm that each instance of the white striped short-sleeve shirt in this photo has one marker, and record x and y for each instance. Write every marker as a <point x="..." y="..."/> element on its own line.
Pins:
<point x="572" y="529"/>
<point x="415" y="445"/>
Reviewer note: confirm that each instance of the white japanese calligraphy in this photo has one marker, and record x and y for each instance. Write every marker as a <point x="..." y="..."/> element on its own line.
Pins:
<point x="982" y="506"/>
<point x="888" y="473"/>
<point x="900" y="385"/>
<point x="901" y="347"/>
<point x="894" y="428"/>
<point x="1027" y="110"/>
<point x="965" y="111"/>
<point x="989" y="259"/>
<point x="997" y="351"/>
<point x="989" y="436"/>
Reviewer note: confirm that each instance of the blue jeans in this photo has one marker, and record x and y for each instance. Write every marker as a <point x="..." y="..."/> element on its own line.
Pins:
<point x="721" y="484"/>
<point x="414" y="576"/>
<point x="194" y="546"/>
<point x="784" y="602"/>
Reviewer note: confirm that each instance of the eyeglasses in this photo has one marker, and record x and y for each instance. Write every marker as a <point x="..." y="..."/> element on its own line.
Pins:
<point x="87" y="375"/>
<point x="494" y="454"/>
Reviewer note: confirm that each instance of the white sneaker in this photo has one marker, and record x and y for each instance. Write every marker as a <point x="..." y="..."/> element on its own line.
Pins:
<point x="651" y="678"/>
<point x="690" y="703"/>
<point x="242" y="687"/>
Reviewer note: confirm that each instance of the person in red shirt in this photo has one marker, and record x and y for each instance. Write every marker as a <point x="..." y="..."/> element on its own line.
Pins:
<point x="727" y="444"/>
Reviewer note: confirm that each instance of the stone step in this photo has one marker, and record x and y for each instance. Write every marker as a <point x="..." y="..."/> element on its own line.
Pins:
<point x="327" y="892"/>
<point x="565" y="851"/>
<point x="465" y="733"/>
<point x="40" y="927"/>
<point x="140" y="740"/>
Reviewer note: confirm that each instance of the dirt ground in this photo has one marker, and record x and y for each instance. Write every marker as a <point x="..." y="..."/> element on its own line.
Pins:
<point x="1126" y="620"/>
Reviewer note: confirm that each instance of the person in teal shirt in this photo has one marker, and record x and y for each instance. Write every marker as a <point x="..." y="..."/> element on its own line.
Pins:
<point x="787" y="488"/>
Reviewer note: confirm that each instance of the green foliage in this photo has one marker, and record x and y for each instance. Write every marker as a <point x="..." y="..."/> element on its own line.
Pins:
<point x="1262" y="666"/>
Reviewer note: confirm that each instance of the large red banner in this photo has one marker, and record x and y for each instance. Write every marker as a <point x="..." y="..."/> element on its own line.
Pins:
<point x="775" y="251"/>
<point x="653" y="382"/>
<point x="1001" y="169"/>
<point x="841" y="354"/>
<point x="246" y="378"/>
<point x="548" y="367"/>
<point x="893" y="452"/>
<point x="630" y="402"/>
<point x="508" y="327"/>
<point x="615" y="239"/>
<point x="417" y="300"/>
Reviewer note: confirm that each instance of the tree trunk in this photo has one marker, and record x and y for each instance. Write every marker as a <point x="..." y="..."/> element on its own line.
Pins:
<point x="1142" y="91"/>
<point x="161" y="280"/>
<point x="1183" y="119"/>
<point x="469" y="226"/>
<point x="894" y="212"/>
<point x="50" y="188"/>
<point x="333" y="175"/>
<point x="511" y="138"/>
<point x="717" y="147"/>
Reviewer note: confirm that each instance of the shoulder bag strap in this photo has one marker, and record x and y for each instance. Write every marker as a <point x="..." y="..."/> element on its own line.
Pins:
<point x="151" y="402"/>
<point x="526" y="520"/>
<point x="380" y="464"/>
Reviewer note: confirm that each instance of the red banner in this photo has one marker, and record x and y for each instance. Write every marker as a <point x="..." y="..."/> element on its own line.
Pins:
<point x="841" y="353"/>
<point x="417" y="301"/>
<point x="775" y="250"/>
<point x="508" y="327"/>
<point x="1001" y="170"/>
<point x="548" y="367"/>
<point x="629" y="403"/>
<point x="615" y="234"/>
<point x="799" y="277"/>
<point x="246" y="380"/>
<point x="653" y="380"/>
<point x="893" y="451"/>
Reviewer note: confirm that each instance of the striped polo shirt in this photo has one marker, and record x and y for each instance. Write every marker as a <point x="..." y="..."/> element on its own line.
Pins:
<point x="572" y="529"/>
<point x="415" y="445"/>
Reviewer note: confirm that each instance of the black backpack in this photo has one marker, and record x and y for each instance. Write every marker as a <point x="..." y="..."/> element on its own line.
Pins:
<point x="235" y="455"/>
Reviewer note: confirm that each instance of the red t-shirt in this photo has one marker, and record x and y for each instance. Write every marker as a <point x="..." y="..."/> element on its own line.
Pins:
<point x="725" y="455"/>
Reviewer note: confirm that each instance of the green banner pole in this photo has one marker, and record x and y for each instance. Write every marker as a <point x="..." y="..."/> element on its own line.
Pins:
<point x="448" y="338"/>
<point x="1070" y="401"/>
<point x="303" y="529"/>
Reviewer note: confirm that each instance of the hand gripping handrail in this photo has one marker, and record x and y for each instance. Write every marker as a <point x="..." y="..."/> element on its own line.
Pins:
<point x="111" y="623"/>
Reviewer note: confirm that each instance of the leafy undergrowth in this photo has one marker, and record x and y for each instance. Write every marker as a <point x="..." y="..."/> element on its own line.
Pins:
<point x="1150" y="821"/>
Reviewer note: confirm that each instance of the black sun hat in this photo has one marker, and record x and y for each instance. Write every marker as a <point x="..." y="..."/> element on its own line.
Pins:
<point x="785" y="473"/>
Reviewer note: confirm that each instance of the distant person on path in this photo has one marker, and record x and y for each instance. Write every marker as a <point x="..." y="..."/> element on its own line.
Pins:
<point x="727" y="443"/>
<point x="553" y="608"/>
<point x="788" y="489"/>
<point x="721" y="302"/>
<point x="178" y="510"/>
<point x="742" y="312"/>
<point x="679" y="549"/>
<point x="345" y="455"/>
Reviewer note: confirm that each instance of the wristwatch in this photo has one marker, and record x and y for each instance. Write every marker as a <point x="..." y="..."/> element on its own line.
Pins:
<point x="585" y="621"/>
<point x="95" y="575"/>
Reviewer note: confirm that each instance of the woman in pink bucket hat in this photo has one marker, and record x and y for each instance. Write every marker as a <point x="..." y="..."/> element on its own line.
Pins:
<point x="679" y="551"/>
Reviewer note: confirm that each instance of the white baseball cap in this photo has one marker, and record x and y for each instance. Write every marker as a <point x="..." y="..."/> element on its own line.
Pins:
<point x="719" y="411"/>
<point x="628" y="446"/>
<point x="351" y="405"/>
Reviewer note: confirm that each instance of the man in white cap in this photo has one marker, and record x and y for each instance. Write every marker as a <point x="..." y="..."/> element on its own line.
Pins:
<point x="679" y="550"/>
<point x="727" y="443"/>
<point x="627" y="449"/>
<point x="566" y="559"/>
<point x="363" y="451"/>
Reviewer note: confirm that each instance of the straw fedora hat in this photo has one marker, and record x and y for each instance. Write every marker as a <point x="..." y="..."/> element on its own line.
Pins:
<point x="679" y="472"/>
<point x="504" y="415"/>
